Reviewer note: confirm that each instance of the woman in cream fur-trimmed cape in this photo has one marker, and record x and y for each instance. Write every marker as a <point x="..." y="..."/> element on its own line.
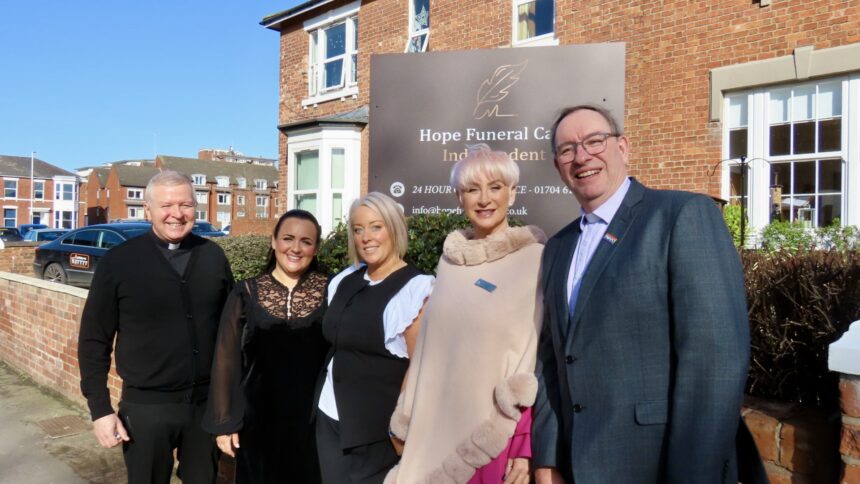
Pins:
<point x="471" y="377"/>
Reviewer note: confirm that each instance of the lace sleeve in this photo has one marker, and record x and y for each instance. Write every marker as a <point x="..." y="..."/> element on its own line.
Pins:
<point x="226" y="407"/>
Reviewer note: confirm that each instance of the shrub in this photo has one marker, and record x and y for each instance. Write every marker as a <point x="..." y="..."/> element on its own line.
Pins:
<point x="786" y="236"/>
<point x="732" y="216"/>
<point x="333" y="256"/>
<point x="246" y="253"/>
<point x="792" y="237"/>
<point x="799" y="303"/>
<point x="427" y="232"/>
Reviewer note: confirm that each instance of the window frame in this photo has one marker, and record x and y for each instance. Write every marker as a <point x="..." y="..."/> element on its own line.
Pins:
<point x="225" y="197"/>
<point x="198" y="177"/>
<point x="222" y="181"/>
<point x="413" y="33"/>
<point x="14" y="218"/>
<point x="14" y="196"/>
<point x="37" y="190"/>
<point x="260" y="184"/>
<point x="316" y="28"/>
<point x="759" y="160"/>
<point x="138" y="194"/>
<point x="547" y="39"/>
<point x="241" y="182"/>
<point x="136" y="213"/>
<point x="326" y="140"/>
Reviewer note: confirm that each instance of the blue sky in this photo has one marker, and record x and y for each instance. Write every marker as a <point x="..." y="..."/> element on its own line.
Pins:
<point x="91" y="81"/>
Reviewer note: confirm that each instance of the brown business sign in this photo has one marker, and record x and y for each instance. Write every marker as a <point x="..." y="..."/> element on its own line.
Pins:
<point x="426" y="109"/>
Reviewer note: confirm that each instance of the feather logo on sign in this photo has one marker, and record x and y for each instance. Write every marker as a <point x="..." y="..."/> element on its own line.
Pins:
<point x="495" y="89"/>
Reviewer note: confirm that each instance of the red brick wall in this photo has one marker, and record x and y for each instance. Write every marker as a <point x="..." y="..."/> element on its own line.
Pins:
<point x="797" y="443"/>
<point x="17" y="257"/>
<point x="849" y="445"/>
<point x="39" y="323"/>
<point x="671" y="47"/>
<point x="242" y="226"/>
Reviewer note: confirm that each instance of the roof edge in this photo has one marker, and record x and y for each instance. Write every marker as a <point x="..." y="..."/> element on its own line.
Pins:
<point x="273" y="21"/>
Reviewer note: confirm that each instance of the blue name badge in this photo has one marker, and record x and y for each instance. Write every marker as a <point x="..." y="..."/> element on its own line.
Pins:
<point x="485" y="285"/>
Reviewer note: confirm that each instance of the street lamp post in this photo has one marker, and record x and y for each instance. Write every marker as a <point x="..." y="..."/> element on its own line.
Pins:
<point x="743" y="162"/>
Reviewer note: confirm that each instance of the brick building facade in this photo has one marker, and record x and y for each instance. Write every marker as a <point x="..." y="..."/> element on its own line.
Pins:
<point x="775" y="82"/>
<point x="51" y="198"/>
<point x="224" y="190"/>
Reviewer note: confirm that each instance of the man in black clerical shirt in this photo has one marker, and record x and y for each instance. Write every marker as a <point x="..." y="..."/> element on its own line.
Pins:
<point x="160" y="296"/>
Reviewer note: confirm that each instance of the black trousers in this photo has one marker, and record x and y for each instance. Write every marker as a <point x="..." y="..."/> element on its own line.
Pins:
<point x="156" y="429"/>
<point x="364" y="464"/>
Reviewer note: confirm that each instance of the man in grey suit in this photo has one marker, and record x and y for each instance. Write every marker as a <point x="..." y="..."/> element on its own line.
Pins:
<point x="645" y="344"/>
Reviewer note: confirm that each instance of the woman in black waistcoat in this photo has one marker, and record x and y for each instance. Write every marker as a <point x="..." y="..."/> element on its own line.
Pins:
<point x="372" y="324"/>
<point x="269" y="352"/>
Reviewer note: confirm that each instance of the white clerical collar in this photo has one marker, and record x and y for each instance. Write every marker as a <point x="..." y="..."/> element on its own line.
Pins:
<point x="172" y="246"/>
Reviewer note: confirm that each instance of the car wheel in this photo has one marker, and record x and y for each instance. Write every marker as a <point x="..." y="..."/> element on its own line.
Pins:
<point x="55" y="273"/>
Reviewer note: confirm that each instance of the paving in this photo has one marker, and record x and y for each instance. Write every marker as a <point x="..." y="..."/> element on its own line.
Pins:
<point x="29" y="416"/>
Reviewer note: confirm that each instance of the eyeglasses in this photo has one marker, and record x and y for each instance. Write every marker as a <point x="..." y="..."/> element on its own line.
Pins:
<point x="593" y="145"/>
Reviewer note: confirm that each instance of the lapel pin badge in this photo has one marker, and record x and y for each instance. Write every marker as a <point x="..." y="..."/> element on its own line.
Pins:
<point x="612" y="239"/>
<point x="485" y="285"/>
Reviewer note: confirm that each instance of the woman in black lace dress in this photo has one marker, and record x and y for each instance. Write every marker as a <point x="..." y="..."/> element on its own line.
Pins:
<point x="270" y="350"/>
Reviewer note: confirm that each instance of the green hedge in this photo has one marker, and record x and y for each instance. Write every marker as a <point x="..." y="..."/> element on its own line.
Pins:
<point x="732" y="216"/>
<point x="247" y="253"/>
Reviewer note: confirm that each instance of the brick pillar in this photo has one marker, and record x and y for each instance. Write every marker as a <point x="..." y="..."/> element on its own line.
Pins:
<point x="844" y="358"/>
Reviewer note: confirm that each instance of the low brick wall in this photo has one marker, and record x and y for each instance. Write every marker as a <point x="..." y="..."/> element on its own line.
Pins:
<point x="798" y="443"/>
<point x="39" y="324"/>
<point x="849" y="447"/>
<point x="242" y="226"/>
<point x="17" y="257"/>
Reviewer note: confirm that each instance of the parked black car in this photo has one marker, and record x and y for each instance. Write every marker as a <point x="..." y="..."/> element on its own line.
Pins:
<point x="206" y="229"/>
<point x="72" y="258"/>
<point x="10" y="234"/>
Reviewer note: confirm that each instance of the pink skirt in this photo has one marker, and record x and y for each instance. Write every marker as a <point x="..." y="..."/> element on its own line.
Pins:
<point x="520" y="445"/>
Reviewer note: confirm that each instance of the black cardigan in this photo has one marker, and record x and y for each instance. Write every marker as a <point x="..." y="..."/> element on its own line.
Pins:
<point x="165" y="323"/>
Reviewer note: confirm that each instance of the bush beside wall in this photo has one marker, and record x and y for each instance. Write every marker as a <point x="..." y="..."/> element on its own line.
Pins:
<point x="798" y="305"/>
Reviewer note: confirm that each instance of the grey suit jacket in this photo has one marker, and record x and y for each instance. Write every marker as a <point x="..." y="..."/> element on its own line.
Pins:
<point x="643" y="384"/>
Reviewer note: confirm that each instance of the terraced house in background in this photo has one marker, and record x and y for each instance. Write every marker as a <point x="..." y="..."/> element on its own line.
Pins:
<point x="770" y="88"/>
<point x="225" y="190"/>
<point x="51" y="199"/>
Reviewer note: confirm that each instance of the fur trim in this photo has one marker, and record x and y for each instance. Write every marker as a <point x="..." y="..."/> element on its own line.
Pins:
<point x="439" y="477"/>
<point x="492" y="436"/>
<point x="391" y="477"/>
<point x="473" y="455"/>
<point x="461" y="248"/>
<point x="399" y="423"/>
<point x="517" y="391"/>
<point x="486" y="443"/>
<point x="458" y="470"/>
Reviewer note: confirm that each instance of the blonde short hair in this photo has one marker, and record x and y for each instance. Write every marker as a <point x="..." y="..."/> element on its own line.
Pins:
<point x="483" y="161"/>
<point x="392" y="217"/>
<point x="170" y="178"/>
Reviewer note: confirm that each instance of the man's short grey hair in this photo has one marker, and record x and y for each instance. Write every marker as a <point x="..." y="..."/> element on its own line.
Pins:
<point x="613" y="123"/>
<point x="167" y="178"/>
